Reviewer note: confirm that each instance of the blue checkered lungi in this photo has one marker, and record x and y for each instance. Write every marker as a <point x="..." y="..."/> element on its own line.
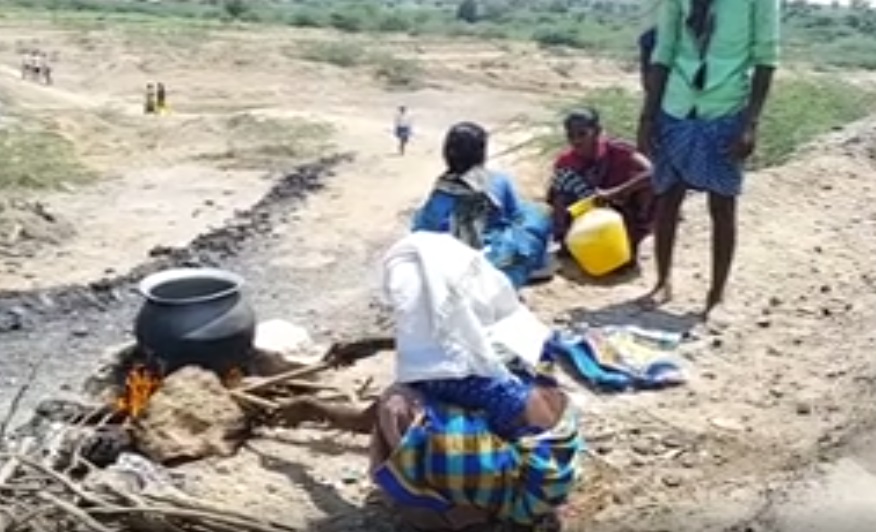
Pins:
<point x="695" y="152"/>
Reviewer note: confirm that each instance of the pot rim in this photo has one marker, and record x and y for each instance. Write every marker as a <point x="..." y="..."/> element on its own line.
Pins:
<point x="150" y="282"/>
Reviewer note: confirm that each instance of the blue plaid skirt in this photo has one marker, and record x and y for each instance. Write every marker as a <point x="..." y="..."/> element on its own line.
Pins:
<point x="695" y="152"/>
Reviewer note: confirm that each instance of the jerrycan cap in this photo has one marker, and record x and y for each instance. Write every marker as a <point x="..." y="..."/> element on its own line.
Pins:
<point x="581" y="207"/>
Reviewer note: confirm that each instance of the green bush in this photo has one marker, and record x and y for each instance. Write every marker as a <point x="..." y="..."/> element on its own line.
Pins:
<point x="394" y="22"/>
<point x="38" y="158"/>
<point x="348" y="21"/>
<point x="557" y="37"/>
<point x="307" y="18"/>
<point x="342" y="54"/>
<point x="398" y="73"/>
<point x="821" y="35"/>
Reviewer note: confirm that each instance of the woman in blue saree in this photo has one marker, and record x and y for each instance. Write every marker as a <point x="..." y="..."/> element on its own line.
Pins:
<point x="481" y="208"/>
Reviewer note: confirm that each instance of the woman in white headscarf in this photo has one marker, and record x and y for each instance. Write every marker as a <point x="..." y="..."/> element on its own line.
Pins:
<point x="472" y="389"/>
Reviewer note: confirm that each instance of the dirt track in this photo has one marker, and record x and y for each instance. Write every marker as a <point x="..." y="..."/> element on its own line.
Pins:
<point x="773" y="394"/>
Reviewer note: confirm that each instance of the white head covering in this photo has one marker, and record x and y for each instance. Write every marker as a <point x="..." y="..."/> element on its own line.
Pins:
<point x="456" y="315"/>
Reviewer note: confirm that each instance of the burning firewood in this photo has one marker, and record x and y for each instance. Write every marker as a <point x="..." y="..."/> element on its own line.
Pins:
<point x="40" y="493"/>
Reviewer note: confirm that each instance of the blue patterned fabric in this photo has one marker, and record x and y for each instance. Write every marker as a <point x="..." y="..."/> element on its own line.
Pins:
<point x="501" y="401"/>
<point x="517" y="232"/>
<point x="695" y="152"/>
<point x="602" y="368"/>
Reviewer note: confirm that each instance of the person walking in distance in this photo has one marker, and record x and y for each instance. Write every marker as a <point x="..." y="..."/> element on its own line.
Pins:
<point x="149" y="104"/>
<point x="160" y="98"/>
<point x="403" y="129"/>
<point x="709" y="79"/>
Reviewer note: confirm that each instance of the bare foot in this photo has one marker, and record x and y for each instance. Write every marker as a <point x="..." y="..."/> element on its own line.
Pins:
<point x="713" y="301"/>
<point x="659" y="296"/>
<point x="716" y="314"/>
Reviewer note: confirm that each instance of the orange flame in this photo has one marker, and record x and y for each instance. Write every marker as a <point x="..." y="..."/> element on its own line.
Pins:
<point x="140" y="384"/>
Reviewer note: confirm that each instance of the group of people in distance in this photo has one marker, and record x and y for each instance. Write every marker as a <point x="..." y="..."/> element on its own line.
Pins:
<point x="35" y="66"/>
<point x="156" y="99"/>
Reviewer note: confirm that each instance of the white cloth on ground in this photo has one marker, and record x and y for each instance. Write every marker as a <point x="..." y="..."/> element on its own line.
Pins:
<point x="456" y="315"/>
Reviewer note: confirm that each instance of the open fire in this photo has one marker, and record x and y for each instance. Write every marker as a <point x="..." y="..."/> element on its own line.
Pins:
<point x="141" y="383"/>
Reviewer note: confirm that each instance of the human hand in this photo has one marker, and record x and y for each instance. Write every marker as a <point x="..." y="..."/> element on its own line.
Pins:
<point x="608" y="196"/>
<point x="343" y="354"/>
<point x="646" y="132"/>
<point x="744" y="144"/>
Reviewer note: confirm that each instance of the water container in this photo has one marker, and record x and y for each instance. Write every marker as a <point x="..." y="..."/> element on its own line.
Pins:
<point x="597" y="239"/>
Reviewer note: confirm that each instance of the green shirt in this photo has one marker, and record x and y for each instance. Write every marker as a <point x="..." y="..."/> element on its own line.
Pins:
<point x="746" y="34"/>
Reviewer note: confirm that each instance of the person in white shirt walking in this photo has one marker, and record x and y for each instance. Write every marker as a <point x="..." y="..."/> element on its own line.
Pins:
<point x="403" y="129"/>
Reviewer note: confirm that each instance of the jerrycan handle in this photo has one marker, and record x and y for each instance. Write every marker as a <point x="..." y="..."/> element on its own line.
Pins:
<point x="581" y="207"/>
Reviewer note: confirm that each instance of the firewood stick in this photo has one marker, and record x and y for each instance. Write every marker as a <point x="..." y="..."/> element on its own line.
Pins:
<point x="66" y="482"/>
<point x="315" y="386"/>
<point x="186" y="513"/>
<point x="360" y="349"/>
<point x="11" y="466"/>
<point x="254" y="400"/>
<point x="74" y="511"/>
<point x="299" y="373"/>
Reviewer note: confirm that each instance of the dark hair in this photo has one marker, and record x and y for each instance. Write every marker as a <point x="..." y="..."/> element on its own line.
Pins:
<point x="465" y="147"/>
<point x="587" y="117"/>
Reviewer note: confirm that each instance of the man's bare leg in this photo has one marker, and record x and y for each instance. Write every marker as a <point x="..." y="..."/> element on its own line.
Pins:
<point x="723" y="212"/>
<point x="665" y="230"/>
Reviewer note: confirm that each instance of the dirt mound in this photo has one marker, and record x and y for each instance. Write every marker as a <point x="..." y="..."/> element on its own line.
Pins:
<point x="26" y="225"/>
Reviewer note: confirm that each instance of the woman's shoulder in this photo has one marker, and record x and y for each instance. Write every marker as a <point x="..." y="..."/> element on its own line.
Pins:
<point x="620" y="147"/>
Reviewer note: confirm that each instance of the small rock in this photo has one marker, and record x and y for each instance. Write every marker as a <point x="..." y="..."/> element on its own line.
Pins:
<point x="80" y="331"/>
<point x="825" y="289"/>
<point x="777" y="392"/>
<point x="12" y="320"/>
<point x="804" y="409"/>
<point x="727" y="424"/>
<point x="671" y="481"/>
<point x="603" y="449"/>
<point x="350" y="477"/>
<point x="642" y="448"/>
<point x="826" y="312"/>
<point x="689" y="461"/>
<point x="672" y="442"/>
<point x="775" y="301"/>
<point x="764" y="323"/>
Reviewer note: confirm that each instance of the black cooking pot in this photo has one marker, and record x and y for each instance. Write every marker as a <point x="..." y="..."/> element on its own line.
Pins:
<point x="195" y="316"/>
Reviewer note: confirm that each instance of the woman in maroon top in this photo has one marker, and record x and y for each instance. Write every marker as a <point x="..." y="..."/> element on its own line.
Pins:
<point x="611" y="170"/>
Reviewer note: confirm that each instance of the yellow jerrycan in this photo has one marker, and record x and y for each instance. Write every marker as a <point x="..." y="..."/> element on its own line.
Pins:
<point x="597" y="239"/>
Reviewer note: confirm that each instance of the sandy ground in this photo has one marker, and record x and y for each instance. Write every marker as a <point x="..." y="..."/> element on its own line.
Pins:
<point x="775" y="392"/>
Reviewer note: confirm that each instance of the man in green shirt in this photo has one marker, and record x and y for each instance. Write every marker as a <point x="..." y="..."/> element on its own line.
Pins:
<point x="699" y="121"/>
